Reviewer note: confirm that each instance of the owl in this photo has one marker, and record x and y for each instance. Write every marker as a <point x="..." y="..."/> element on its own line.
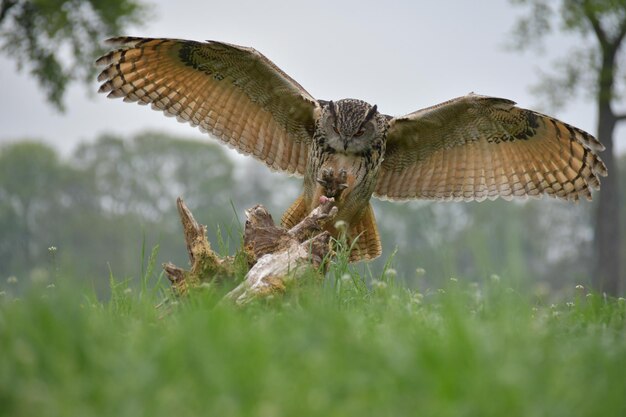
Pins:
<point x="469" y="148"/>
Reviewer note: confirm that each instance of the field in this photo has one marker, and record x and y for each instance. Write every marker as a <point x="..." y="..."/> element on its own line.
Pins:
<point x="342" y="348"/>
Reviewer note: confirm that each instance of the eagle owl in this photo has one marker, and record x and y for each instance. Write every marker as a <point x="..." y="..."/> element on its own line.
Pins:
<point x="468" y="148"/>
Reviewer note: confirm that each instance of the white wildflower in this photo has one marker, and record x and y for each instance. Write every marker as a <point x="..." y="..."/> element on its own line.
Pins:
<point x="341" y="226"/>
<point x="391" y="273"/>
<point x="379" y="285"/>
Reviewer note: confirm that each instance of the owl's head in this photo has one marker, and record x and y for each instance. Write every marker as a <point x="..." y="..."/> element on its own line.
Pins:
<point x="350" y="126"/>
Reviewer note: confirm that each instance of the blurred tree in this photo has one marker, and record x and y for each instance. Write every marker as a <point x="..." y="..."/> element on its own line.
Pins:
<point x="621" y="162"/>
<point x="37" y="191"/>
<point x="58" y="40"/>
<point x="140" y="178"/>
<point x="111" y="198"/>
<point x="146" y="173"/>
<point x="595" y="65"/>
<point x="529" y="244"/>
<point x="258" y="185"/>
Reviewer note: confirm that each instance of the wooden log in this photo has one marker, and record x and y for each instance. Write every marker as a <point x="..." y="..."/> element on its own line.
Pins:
<point x="206" y="265"/>
<point x="276" y="256"/>
<point x="283" y="256"/>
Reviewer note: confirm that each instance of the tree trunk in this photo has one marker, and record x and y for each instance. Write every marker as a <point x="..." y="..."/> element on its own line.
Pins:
<point x="607" y="239"/>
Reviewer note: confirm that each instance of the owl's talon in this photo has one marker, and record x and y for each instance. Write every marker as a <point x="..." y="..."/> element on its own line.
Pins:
<point x="333" y="184"/>
<point x="343" y="177"/>
<point x="327" y="177"/>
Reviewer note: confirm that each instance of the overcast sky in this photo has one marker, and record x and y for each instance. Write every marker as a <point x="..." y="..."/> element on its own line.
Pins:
<point x="400" y="55"/>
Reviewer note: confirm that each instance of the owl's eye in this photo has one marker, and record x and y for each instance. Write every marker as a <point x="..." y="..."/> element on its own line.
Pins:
<point x="359" y="133"/>
<point x="335" y="129"/>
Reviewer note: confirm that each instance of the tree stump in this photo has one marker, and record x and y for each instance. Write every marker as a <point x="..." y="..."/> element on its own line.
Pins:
<point x="276" y="256"/>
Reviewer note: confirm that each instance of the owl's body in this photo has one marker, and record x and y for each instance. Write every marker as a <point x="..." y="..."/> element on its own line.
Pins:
<point x="349" y="137"/>
<point x="469" y="148"/>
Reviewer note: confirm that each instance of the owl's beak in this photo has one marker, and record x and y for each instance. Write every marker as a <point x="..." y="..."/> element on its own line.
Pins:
<point x="345" y="144"/>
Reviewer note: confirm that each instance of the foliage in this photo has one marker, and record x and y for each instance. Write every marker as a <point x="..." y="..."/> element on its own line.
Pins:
<point x="58" y="40"/>
<point x="337" y="350"/>
<point x="579" y="69"/>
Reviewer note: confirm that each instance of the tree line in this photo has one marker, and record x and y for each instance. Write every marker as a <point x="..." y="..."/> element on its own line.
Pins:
<point x="109" y="203"/>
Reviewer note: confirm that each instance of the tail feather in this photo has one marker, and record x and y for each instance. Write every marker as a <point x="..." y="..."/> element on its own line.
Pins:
<point x="364" y="238"/>
<point x="363" y="234"/>
<point x="295" y="213"/>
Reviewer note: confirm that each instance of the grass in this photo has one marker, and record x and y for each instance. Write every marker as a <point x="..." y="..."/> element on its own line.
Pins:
<point x="337" y="349"/>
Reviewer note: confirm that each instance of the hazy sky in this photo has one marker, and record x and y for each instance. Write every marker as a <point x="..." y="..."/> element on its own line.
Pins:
<point x="400" y="55"/>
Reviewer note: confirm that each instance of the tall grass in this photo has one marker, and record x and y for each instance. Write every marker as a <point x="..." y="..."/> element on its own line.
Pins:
<point x="345" y="347"/>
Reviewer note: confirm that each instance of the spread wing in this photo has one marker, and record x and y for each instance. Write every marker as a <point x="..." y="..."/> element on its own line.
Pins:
<point x="476" y="147"/>
<point x="232" y="92"/>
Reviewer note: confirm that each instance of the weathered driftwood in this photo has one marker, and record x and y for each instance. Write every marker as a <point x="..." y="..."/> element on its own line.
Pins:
<point x="276" y="256"/>
<point x="206" y="265"/>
